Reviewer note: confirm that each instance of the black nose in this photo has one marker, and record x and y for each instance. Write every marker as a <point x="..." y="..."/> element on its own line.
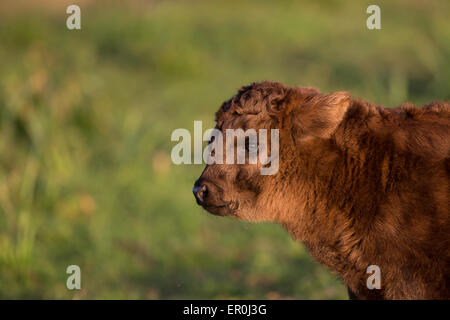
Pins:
<point x="200" y="193"/>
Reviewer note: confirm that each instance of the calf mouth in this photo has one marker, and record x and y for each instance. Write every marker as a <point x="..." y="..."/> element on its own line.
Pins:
<point x="226" y="209"/>
<point x="209" y="195"/>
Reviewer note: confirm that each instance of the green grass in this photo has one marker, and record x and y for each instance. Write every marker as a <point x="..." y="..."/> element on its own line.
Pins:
<point x="85" y="124"/>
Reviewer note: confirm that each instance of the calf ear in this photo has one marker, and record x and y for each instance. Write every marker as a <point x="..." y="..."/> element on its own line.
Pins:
<point x="321" y="114"/>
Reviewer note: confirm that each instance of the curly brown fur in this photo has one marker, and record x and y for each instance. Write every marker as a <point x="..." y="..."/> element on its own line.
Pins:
<point x="358" y="184"/>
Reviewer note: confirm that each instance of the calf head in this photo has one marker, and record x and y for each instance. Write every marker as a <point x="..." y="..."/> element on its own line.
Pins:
<point x="305" y="120"/>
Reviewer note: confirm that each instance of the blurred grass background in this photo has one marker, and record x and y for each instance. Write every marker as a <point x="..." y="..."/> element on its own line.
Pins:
<point x="86" y="118"/>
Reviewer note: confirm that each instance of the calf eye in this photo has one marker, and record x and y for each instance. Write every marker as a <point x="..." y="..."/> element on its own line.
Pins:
<point x="253" y="145"/>
<point x="213" y="151"/>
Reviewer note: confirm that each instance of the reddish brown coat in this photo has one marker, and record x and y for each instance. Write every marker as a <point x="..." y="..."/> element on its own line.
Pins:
<point x="358" y="184"/>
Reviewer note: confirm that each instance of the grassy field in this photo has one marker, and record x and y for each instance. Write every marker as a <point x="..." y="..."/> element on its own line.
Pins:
<point x="85" y="123"/>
